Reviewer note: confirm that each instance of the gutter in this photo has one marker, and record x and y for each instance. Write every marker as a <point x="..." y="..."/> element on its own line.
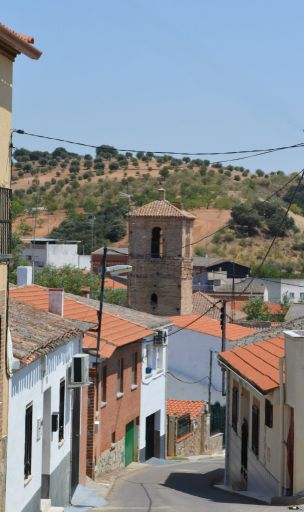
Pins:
<point x="16" y="43"/>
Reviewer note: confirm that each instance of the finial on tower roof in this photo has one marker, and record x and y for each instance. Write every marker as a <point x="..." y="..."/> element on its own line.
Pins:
<point x="162" y="194"/>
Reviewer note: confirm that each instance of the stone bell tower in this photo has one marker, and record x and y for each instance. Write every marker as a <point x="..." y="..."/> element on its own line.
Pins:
<point x="160" y="253"/>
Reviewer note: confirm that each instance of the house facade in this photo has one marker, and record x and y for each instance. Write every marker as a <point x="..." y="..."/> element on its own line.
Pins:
<point x="124" y="394"/>
<point x="265" y="417"/>
<point x="43" y="451"/>
<point x="279" y="289"/>
<point x="11" y="45"/>
<point x="192" y="352"/>
<point x="57" y="253"/>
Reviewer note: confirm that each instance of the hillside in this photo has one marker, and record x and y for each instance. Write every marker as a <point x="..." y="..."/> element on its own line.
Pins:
<point x="78" y="196"/>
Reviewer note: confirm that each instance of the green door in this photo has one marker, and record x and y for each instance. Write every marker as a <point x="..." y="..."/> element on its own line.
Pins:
<point x="129" y="443"/>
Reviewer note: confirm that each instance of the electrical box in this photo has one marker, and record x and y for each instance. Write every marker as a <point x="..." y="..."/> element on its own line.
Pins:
<point x="161" y="337"/>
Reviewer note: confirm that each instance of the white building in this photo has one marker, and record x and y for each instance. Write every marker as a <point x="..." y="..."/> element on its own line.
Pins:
<point x="153" y="419"/>
<point x="189" y="357"/>
<point x="293" y="289"/>
<point x="50" y="251"/>
<point x="44" y="411"/>
<point x="265" y="406"/>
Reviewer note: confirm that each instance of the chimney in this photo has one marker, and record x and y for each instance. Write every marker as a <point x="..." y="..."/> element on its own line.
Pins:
<point x="56" y="301"/>
<point x="24" y="275"/>
<point x="85" y="292"/>
<point x="162" y="194"/>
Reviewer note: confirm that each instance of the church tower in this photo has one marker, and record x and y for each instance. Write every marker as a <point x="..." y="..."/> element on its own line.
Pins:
<point x="160" y="252"/>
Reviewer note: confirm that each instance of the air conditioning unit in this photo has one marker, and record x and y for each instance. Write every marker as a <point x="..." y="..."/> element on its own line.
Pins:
<point x="79" y="373"/>
<point x="161" y="337"/>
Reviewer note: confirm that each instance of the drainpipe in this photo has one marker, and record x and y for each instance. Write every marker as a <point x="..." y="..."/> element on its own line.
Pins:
<point x="282" y="446"/>
<point x="226" y="477"/>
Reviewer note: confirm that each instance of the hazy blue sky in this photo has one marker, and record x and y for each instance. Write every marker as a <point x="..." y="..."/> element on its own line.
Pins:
<point x="180" y="75"/>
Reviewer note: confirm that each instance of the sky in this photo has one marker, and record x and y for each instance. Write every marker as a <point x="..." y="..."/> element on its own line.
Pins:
<point x="163" y="75"/>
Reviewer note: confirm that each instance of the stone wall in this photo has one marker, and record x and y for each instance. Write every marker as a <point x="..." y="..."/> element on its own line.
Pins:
<point x="188" y="445"/>
<point x="111" y="459"/>
<point x="170" y="276"/>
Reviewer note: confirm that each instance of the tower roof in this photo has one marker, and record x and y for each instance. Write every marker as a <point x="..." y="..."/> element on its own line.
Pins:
<point x="160" y="208"/>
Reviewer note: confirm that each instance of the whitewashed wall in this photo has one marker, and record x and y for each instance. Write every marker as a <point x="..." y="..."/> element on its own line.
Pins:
<point x="277" y="288"/>
<point x="188" y="357"/>
<point x="26" y="386"/>
<point x="264" y="469"/>
<point x="153" y="393"/>
<point x="59" y="255"/>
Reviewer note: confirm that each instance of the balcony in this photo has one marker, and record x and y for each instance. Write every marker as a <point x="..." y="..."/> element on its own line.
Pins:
<point x="5" y="224"/>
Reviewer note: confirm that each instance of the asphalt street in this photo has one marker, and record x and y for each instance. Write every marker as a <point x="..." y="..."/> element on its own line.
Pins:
<point x="181" y="487"/>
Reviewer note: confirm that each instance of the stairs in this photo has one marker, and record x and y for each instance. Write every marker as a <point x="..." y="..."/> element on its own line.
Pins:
<point x="46" y="506"/>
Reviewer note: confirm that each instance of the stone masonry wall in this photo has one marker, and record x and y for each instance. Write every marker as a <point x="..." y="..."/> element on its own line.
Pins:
<point x="170" y="277"/>
<point x="111" y="459"/>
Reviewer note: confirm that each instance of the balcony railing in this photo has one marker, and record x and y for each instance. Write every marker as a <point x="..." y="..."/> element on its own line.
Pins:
<point x="5" y="224"/>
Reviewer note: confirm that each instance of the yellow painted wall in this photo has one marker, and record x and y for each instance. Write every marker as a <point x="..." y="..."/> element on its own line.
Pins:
<point x="6" y="77"/>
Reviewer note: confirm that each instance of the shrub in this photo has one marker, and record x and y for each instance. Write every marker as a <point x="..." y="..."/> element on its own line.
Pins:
<point x="259" y="173"/>
<point x="237" y="177"/>
<point x="113" y="166"/>
<point x="245" y="218"/>
<point x="164" y="172"/>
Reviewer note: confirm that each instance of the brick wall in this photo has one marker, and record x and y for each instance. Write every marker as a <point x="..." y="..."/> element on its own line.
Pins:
<point x="170" y="277"/>
<point x="115" y="415"/>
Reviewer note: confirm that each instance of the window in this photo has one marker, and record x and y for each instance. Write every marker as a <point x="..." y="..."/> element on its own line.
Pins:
<point x="291" y="296"/>
<point x="149" y="361"/>
<point x="235" y="407"/>
<point x="61" y="410"/>
<point x="301" y="296"/>
<point x="120" y="376"/>
<point x="113" y="437"/>
<point x="159" y="358"/>
<point x="153" y="300"/>
<point x="183" y="425"/>
<point x="28" y="441"/>
<point x="268" y="413"/>
<point x="134" y="368"/>
<point x="104" y="384"/>
<point x="255" y="429"/>
<point x="157" y="243"/>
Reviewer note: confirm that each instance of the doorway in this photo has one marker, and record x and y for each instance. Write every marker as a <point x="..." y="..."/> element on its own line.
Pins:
<point x="129" y="443"/>
<point x="244" y="450"/>
<point x="46" y="444"/>
<point x="75" y="448"/>
<point x="150" y="432"/>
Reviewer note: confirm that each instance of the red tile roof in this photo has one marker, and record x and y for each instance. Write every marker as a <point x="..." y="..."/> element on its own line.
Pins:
<point x="181" y="407"/>
<point x="20" y="43"/>
<point x="207" y="325"/>
<point x="110" y="283"/>
<point x="258" y="362"/>
<point x="273" y="308"/>
<point x="115" y="331"/>
<point x="160" y="208"/>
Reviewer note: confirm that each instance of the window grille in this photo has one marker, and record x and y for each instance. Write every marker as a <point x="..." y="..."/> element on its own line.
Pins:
<point x="183" y="425"/>
<point x="61" y="410"/>
<point x="5" y="223"/>
<point x="255" y="429"/>
<point x="28" y="441"/>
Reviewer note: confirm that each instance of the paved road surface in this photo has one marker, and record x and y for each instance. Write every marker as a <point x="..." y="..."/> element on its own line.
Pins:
<point x="181" y="487"/>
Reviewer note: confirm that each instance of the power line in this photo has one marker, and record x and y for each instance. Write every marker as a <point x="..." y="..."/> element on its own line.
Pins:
<point x="185" y="153"/>
<point x="186" y="381"/>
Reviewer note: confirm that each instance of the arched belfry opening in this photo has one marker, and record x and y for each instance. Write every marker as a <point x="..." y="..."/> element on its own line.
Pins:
<point x="153" y="300"/>
<point x="157" y="243"/>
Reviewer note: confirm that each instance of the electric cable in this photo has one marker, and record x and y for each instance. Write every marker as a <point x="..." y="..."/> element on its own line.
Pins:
<point x="186" y="153"/>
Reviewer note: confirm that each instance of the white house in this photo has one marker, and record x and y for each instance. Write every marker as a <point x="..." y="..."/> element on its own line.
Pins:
<point x="192" y="339"/>
<point x="265" y="417"/>
<point x="293" y="289"/>
<point x="44" y="411"/>
<point x="153" y="419"/>
<point x="50" y="251"/>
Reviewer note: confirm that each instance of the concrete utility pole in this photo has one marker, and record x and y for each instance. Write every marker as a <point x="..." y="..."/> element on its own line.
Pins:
<point x="223" y="326"/>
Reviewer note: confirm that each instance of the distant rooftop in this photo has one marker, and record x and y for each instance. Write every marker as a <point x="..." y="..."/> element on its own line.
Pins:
<point x="112" y="250"/>
<point x="35" y="332"/>
<point x="205" y="261"/>
<point x="49" y="240"/>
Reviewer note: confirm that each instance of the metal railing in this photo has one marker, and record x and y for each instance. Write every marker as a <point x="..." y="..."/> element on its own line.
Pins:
<point x="5" y="223"/>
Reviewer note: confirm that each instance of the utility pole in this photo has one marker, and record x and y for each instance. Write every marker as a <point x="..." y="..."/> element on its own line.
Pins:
<point x="223" y="326"/>
<point x="210" y="379"/>
<point x="99" y="315"/>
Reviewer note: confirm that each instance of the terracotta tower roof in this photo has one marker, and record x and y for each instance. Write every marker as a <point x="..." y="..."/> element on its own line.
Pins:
<point x="160" y="208"/>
